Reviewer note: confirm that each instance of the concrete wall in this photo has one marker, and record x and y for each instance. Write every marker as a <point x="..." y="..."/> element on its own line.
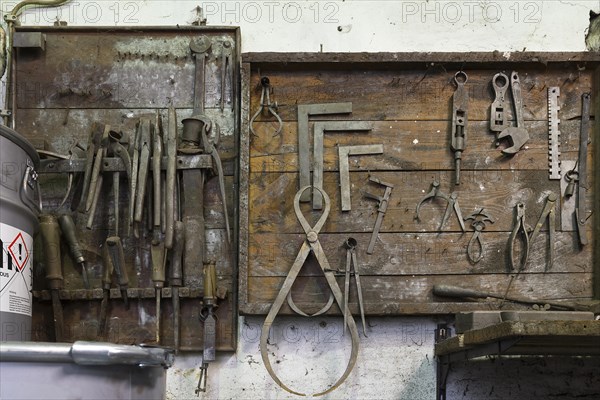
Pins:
<point x="395" y="361"/>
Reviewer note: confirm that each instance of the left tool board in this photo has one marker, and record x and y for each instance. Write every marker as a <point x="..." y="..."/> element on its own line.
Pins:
<point x="71" y="81"/>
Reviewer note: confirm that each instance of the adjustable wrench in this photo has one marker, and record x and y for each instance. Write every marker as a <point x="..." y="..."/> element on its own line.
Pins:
<point x="517" y="135"/>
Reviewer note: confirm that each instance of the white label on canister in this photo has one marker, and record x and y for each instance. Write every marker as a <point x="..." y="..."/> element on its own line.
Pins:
<point x="16" y="270"/>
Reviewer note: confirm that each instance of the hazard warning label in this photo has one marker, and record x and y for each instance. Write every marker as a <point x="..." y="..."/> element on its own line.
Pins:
<point x="15" y="270"/>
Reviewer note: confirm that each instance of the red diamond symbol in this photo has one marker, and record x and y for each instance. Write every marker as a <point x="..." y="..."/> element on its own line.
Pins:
<point x="18" y="251"/>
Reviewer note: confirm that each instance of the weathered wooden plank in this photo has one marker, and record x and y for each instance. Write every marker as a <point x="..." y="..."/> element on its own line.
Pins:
<point x="400" y="59"/>
<point x="381" y="290"/>
<point x="413" y="254"/>
<point x="92" y="70"/>
<point x="272" y="211"/>
<point x="412" y="145"/>
<point x="417" y="94"/>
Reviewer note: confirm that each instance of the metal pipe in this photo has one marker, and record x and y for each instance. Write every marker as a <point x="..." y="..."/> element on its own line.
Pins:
<point x="86" y="353"/>
<point x="11" y="20"/>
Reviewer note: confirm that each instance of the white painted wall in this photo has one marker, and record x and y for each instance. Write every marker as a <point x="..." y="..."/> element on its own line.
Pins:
<point x="395" y="361"/>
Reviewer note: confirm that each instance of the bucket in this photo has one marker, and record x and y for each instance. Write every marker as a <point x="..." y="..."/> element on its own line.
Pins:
<point x="18" y="221"/>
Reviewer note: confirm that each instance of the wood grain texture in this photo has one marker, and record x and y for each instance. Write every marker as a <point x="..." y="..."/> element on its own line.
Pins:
<point x="418" y="94"/>
<point x="408" y="104"/>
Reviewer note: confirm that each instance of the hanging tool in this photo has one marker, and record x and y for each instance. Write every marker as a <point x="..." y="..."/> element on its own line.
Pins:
<point x="171" y="176"/>
<point x="210" y="148"/>
<point x="71" y="156"/>
<point x="498" y="120"/>
<point x="97" y="178"/>
<point x="226" y="70"/>
<point x="67" y="227"/>
<point x="581" y="213"/>
<point x="51" y="242"/>
<point x="266" y="107"/>
<point x="310" y="245"/>
<point x="518" y="229"/>
<point x="352" y="268"/>
<point x="93" y="144"/>
<point x="517" y="135"/>
<point x="547" y="213"/>
<point x="344" y="152"/>
<point x="145" y="146"/>
<point x="452" y="201"/>
<point x="460" y="118"/>
<point x="210" y="324"/>
<point x="304" y="112"/>
<point x="117" y="256"/>
<point x="479" y="223"/>
<point x="199" y="121"/>
<point x="381" y="209"/>
<point x="107" y="271"/>
<point x="553" y="133"/>
<point x="464" y="293"/>
<point x="176" y="277"/>
<point x="135" y="166"/>
<point x="118" y="150"/>
<point x="319" y="130"/>
<point x="158" y="247"/>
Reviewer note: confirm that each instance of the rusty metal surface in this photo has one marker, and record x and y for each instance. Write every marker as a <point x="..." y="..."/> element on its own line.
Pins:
<point x="116" y="76"/>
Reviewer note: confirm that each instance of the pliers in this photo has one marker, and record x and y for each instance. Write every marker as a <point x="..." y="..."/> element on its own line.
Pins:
<point x="519" y="227"/>
<point x="452" y="204"/>
<point x="549" y="213"/>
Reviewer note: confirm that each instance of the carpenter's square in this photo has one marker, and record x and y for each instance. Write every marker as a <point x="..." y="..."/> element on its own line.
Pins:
<point x="304" y="112"/>
<point x="344" y="152"/>
<point x="319" y="130"/>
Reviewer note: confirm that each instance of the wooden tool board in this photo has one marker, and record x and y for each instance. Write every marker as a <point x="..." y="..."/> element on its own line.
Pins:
<point x="114" y="76"/>
<point x="407" y="97"/>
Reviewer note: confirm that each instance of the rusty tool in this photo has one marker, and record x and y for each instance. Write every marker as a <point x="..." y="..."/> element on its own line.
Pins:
<point x="145" y="146"/>
<point x="304" y="112"/>
<point x="93" y="145"/>
<point x="118" y="150"/>
<point x="158" y="246"/>
<point x="382" y="205"/>
<point x="452" y="205"/>
<point x="176" y="278"/>
<point x="67" y="227"/>
<point x="115" y="251"/>
<point x="479" y="219"/>
<point x="547" y="213"/>
<point x="343" y="153"/>
<point x="97" y="178"/>
<point x="319" y="130"/>
<point x="464" y="293"/>
<point x="107" y="271"/>
<point x="210" y="324"/>
<point x="171" y="176"/>
<point x="460" y="109"/>
<point x="226" y="70"/>
<point x="51" y="243"/>
<point x="581" y="213"/>
<point x="352" y="268"/>
<point x="310" y="245"/>
<point x="498" y="119"/>
<point x="518" y="229"/>
<point x="266" y="107"/>
<point x="135" y="164"/>
<point x="517" y="135"/>
<point x="553" y="133"/>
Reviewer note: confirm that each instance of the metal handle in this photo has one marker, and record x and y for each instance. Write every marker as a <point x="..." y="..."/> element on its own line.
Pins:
<point x="31" y="174"/>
